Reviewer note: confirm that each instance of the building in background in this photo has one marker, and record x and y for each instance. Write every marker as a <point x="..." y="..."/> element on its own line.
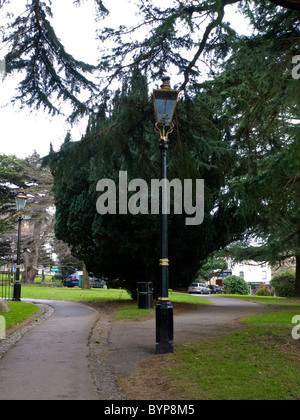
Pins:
<point x="254" y="273"/>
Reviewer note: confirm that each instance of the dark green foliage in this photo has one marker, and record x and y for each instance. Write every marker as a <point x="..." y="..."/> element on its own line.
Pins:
<point x="50" y="72"/>
<point x="212" y="267"/>
<point x="235" y="285"/>
<point x="284" y="283"/>
<point x="258" y="100"/>
<point x="127" y="246"/>
<point x="263" y="291"/>
<point x="180" y="35"/>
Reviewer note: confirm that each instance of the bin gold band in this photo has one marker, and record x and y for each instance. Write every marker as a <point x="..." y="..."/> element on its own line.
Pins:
<point x="164" y="261"/>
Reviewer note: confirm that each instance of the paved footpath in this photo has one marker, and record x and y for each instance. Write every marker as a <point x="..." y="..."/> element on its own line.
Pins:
<point x="130" y="342"/>
<point x="61" y="359"/>
<point x="50" y="362"/>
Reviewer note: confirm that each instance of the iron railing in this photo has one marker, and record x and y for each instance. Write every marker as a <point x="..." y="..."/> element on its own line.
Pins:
<point x="6" y="288"/>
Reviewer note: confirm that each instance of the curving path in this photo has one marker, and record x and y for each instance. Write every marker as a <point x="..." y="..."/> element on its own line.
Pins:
<point x="132" y="341"/>
<point x="76" y="352"/>
<point x="50" y="362"/>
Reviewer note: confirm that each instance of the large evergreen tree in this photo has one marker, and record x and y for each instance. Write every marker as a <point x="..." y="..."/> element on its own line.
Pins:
<point x="51" y="76"/>
<point x="236" y="129"/>
<point x="127" y="246"/>
<point x="260" y="98"/>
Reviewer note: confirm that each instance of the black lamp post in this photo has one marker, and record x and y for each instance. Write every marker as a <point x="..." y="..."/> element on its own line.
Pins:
<point x="165" y="101"/>
<point x="21" y="200"/>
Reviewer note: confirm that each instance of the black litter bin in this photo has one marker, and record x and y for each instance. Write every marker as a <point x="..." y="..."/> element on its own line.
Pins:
<point x="145" y="295"/>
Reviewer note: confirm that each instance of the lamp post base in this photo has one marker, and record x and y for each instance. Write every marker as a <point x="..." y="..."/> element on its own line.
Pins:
<point x="17" y="292"/>
<point x="164" y="327"/>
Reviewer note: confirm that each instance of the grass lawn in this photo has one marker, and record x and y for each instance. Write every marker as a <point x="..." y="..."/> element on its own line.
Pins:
<point x="128" y="311"/>
<point x="72" y="294"/>
<point x="260" y="363"/>
<point x="77" y="294"/>
<point x="19" y="311"/>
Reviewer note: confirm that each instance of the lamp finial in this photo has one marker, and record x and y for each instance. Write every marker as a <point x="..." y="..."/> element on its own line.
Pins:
<point x="166" y="83"/>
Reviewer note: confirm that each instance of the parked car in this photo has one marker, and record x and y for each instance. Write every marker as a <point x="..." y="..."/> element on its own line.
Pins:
<point x="215" y="289"/>
<point x="97" y="283"/>
<point x="199" y="288"/>
<point x="71" y="281"/>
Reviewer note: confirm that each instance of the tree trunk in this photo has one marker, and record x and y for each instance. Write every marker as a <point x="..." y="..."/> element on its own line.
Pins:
<point x="29" y="275"/>
<point x="30" y="262"/>
<point x="85" y="279"/>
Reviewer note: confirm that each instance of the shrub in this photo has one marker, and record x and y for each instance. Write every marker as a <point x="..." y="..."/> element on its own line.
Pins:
<point x="284" y="283"/>
<point x="263" y="291"/>
<point x="235" y="285"/>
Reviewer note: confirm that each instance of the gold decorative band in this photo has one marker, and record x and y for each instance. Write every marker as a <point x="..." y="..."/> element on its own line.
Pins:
<point x="164" y="261"/>
<point x="164" y="299"/>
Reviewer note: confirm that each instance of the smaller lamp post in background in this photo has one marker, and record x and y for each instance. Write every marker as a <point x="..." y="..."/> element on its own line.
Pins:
<point x="21" y="200"/>
<point x="165" y="101"/>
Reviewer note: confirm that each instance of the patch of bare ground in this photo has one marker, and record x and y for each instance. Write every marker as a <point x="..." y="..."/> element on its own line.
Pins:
<point x="149" y="382"/>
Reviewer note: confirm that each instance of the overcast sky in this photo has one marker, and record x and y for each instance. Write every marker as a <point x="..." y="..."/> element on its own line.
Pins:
<point x="22" y="132"/>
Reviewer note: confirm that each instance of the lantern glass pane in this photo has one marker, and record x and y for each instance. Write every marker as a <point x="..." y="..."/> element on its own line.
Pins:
<point x="165" y="104"/>
<point x="21" y="203"/>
